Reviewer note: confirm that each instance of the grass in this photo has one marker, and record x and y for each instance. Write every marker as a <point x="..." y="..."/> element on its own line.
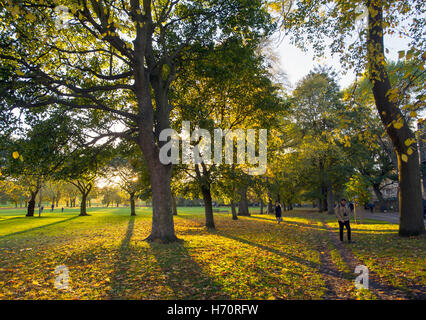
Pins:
<point x="251" y="258"/>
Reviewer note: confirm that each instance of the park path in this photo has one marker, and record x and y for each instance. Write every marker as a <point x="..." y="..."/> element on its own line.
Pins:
<point x="338" y="286"/>
<point x="391" y="217"/>
<point x="376" y="286"/>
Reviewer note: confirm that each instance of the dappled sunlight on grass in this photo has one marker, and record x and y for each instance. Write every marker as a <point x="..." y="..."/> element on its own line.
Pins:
<point x="251" y="258"/>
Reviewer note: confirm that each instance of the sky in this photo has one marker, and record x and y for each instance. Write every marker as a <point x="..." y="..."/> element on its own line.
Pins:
<point x="296" y="63"/>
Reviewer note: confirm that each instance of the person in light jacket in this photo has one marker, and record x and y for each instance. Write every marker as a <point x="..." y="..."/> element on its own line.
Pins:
<point x="343" y="213"/>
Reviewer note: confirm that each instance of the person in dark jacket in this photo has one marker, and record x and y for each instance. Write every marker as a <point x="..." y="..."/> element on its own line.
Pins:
<point x="278" y="212"/>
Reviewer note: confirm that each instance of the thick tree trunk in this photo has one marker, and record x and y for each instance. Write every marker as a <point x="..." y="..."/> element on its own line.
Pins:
<point x="174" y="207"/>
<point x="261" y="206"/>
<point x="243" y="204"/>
<point x="233" y="210"/>
<point x="132" y="204"/>
<point x="30" y="209"/>
<point x="162" y="217"/>
<point x="411" y="221"/>
<point x="83" y="211"/>
<point x="31" y="204"/>
<point x="208" y="207"/>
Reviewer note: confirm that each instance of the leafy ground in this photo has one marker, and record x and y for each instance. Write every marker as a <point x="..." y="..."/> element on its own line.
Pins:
<point x="252" y="258"/>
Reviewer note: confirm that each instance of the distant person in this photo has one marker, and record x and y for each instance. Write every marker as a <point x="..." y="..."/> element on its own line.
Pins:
<point x="40" y="210"/>
<point x="343" y="216"/>
<point x="62" y="210"/>
<point x="53" y="207"/>
<point x="278" y="212"/>
<point x="371" y="207"/>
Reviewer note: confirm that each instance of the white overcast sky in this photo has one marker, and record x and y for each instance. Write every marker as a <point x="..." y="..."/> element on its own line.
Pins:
<point x="296" y="63"/>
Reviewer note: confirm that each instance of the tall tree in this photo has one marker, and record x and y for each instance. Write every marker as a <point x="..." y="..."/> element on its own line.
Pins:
<point x="333" y="24"/>
<point x="119" y="59"/>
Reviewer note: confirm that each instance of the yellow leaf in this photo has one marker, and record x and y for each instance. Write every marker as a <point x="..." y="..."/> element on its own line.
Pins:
<point x="409" y="142"/>
<point x="398" y="125"/>
<point x="404" y="157"/>
<point x="413" y="114"/>
<point x="15" y="155"/>
<point x="410" y="151"/>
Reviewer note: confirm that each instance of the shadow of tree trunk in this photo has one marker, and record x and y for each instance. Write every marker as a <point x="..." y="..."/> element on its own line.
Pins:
<point x="183" y="275"/>
<point x="121" y="267"/>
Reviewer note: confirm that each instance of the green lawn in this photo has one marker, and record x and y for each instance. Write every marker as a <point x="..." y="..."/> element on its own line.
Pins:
<point x="252" y="258"/>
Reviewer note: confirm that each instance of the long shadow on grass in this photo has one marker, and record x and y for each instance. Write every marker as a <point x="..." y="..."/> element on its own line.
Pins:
<point x="122" y="265"/>
<point x="299" y="260"/>
<point x="266" y="248"/>
<point x="290" y="223"/>
<point x="38" y="228"/>
<point x="183" y="275"/>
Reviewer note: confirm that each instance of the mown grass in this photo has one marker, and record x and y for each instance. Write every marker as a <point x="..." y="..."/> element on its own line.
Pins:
<point x="251" y="258"/>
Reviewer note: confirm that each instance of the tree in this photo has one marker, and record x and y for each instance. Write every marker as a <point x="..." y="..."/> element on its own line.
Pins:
<point x="128" y="171"/>
<point x="81" y="170"/>
<point x="316" y="107"/>
<point x="322" y="21"/>
<point x="33" y="155"/>
<point x="216" y="93"/>
<point x="117" y="60"/>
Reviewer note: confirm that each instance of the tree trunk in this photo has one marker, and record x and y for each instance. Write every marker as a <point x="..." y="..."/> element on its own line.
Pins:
<point x="234" y="211"/>
<point x="411" y="221"/>
<point x="162" y="217"/>
<point x="243" y="204"/>
<point x="31" y="204"/>
<point x="270" y="206"/>
<point x="379" y="195"/>
<point x="174" y="207"/>
<point x="132" y="204"/>
<point x="83" y="211"/>
<point x="330" y="199"/>
<point x="208" y="207"/>
<point x="261" y="206"/>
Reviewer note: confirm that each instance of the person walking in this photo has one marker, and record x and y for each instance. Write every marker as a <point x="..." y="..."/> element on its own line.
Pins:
<point x="343" y="213"/>
<point x="278" y="212"/>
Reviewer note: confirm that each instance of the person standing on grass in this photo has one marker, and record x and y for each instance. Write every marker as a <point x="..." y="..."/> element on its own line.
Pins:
<point x="278" y="212"/>
<point x="40" y="210"/>
<point x="343" y="216"/>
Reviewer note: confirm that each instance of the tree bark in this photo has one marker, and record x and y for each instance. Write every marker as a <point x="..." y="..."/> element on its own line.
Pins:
<point x="31" y="205"/>
<point x="132" y="204"/>
<point x="270" y="206"/>
<point x="203" y="180"/>
<point x="208" y="207"/>
<point x="234" y="211"/>
<point x="174" y="207"/>
<point x="162" y="218"/>
<point x="330" y="199"/>
<point x="243" y="204"/>
<point x="261" y="206"/>
<point x="379" y="195"/>
<point x="411" y="221"/>
<point x="83" y="211"/>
